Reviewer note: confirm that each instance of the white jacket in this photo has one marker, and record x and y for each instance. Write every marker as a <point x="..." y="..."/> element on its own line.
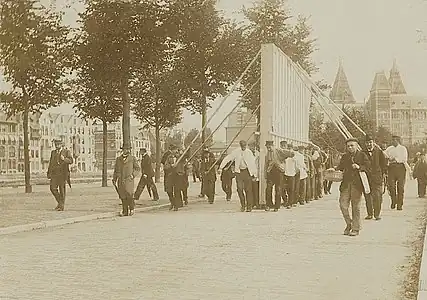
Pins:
<point x="237" y="156"/>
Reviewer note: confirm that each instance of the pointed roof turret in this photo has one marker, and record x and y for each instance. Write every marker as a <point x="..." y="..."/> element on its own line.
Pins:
<point x="395" y="80"/>
<point x="341" y="91"/>
<point x="380" y="82"/>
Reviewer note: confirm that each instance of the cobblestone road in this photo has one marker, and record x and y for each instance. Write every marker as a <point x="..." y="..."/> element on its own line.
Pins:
<point x="18" y="208"/>
<point x="214" y="252"/>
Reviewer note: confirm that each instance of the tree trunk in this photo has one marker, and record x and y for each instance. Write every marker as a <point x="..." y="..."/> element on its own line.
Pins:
<point x="204" y="113"/>
<point x="104" y="152"/>
<point x="28" y="188"/>
<point x="158" y="153"/>
<point x="126" y="113"/>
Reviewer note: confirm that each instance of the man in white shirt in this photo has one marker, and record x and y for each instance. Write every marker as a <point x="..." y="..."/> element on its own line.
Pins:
<point x="289" y="185"/>
<point x="245" y="170"/>
<point x="397" y="155"/>
<point x="302" y="170"/>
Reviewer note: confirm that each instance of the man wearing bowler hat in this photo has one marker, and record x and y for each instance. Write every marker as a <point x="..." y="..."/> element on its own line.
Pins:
<point x="125" y="171"/>
<point x="58" y="172"/>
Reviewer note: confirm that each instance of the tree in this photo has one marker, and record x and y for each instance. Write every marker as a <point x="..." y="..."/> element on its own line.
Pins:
<point x="270" y="22"/>
<point x="188" y="140"/>
<point x="210" y="51"/>
<point x="326" y="135"/>
<point x="174" y="138"/>
<point x="95" y="91"/>
<point x="34" y="55"/>
<point x="131" y="33"/>
<point x="157" y="103"/>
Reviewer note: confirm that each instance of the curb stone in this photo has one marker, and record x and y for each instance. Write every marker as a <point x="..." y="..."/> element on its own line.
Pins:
<point x="69" y="221"/>
<point x="422" y="281"/>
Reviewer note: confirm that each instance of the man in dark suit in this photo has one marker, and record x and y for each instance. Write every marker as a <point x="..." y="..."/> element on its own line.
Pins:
<point x="376" y="179"/>
<point x="58" y="172"/>
<point x="352" y="163"/>
<point x="208" y="174"/>
<point x="147" y="174"/>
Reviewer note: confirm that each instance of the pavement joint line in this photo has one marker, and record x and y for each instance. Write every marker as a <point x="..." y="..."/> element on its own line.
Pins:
<point x="80" y="219"/>
<point x="422" y="279"/>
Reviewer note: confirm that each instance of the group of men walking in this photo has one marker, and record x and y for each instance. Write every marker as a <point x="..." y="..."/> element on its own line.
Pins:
<point x="294" y="173"/>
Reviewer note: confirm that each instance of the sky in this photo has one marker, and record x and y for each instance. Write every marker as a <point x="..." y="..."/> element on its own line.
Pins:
<point x="366" y="34"/>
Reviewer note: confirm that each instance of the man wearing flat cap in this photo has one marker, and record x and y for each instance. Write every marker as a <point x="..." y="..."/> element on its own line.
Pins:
<point x="58" y="172"/>
<point x="351" y="164"/>
<point x="376" y="177"/>
<point x="397" y="155"/>
<point x="126" y="169"/>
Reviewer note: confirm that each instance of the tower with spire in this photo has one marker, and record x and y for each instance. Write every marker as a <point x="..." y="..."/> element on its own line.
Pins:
<point x="379" y="100"/>
<point x="395" y="81"/>
<point x="341" y="92"/>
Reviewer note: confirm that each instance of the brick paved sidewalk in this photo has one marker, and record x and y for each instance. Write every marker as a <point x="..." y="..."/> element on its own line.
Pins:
<point x="215" y="252"/>
<point x="18" y="208"/>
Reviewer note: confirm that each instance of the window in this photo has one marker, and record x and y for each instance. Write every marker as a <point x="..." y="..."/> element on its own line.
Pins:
<point x="37" y="153"/>
<point x="2" y="151"/>
<point x="12" y="151"/>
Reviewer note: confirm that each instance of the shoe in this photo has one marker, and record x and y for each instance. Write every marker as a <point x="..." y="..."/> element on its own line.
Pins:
<point x="399" y="208"/>
<point x="267" y="209"/>
<point x="368" y="218"/>
<point x="288" y="207"/>
<point x="347" y="230"/>
<point x="131" y="212"/>
<point x="354" y="233"/>
<point x="248" y="210"/>
<point x="276" y="209"/>
<point x="393" y="206"/>
<point x="186" y="202"/>
<point x="61" y="208"/>
<point x="242" y="209"/>
<point x="175" y="209"/>
<point x="377" y="218"/>
<point x="171" y="207"/>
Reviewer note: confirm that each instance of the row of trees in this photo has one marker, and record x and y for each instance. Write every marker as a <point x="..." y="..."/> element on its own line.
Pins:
<point x="325" y="134"/>
<point x="153" y="57"/>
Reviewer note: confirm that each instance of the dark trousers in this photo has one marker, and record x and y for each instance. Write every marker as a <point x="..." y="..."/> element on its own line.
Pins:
<point x="255" y="193"/>
<point x="274" y="178"/>
<point x="303" y="189"/>
<point x="244" y="188"/>
<point x="143" y="182"/>
<point x="422" y="183"/>
<point x="374" y="200"/>
<point x="319" y="185"/>
<point x="227" y="186"/>
<point x="290" y="190"/>
<point x="57" y="188"/>
<point x="283" y="190"/>
<point x="127" y="202"/>
<point x="173" y="190"/>
<point x="209" y="188"/>
<point x="396" y="183"/>
<point x="327" y="186"/>
<point x="296" y="188"/>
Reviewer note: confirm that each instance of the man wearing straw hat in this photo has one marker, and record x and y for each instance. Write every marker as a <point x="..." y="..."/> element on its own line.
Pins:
<point x="58" y="172"/>
<point x="397" y="155"/>
<point x="351" y="164"/>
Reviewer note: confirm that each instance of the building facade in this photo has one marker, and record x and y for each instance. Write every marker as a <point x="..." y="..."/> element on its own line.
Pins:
<point x="139" y="139"/>
<point x="404" y="115"/>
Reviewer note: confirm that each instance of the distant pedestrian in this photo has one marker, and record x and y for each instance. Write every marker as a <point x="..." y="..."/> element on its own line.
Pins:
<point x="208" y="174"/>
<point x="420" y="174"/>
<point x="227" y="176"/>
<point x="59" y="173"/>
<point x="147" y="174"/>
<point x="126" y="169"/>
<point x="352" y="163"/>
